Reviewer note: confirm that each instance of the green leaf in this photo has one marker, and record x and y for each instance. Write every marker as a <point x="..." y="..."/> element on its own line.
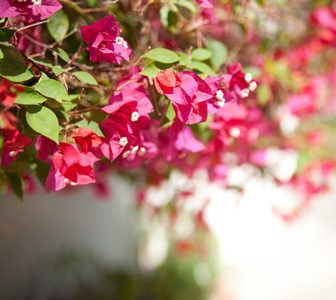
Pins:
<point x="52" y="89"/>
<point x="168" y="116"/>
<point x="184" y="60"/>
<point x="42" y="62"/>
<point x="16" y="184"/>
<point x="202" y="67"/>
<point x="168" y="17"/>
<point x="219" y="53"/>
<point x="58" y="70"/>
<point x="153" y="68"/>
<point x="6" y="34"/>
<point x="91" y="3"/>
<point x="264" y="93"/>
<point x="29" y="97"/>
<point x="41" y="170"/>
<point x="43" y="120"/>
<point x="12" y="65"/>
<point x="62" y="54"/>
<point x="201" y="54"/>
<point x="92" y="125"/>
<point x="162" y="55"/>
<point x="69" y="105"/>
<point x="58" y="25"/>
<point x="85" y="77"/>
<point x="187" y="4"/>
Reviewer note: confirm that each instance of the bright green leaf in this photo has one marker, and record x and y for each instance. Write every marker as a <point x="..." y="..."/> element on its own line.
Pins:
<point x="162" y="55"/>
<point x="168" y="116"/>
<point x="168" y="17"/>
<point x="29" y="97"/>
<point x="153" y="68"/>
<point x="42" y="62"/>
<point x="91" y="3"/>
<point x="58" y="25"/>
<point x="6" y="34"/>
<point x="85" y="77"/>
<point x="62" y="54"/>
<point x="201" y="54"/>
<point x="16" y="184"/>
<point x="184" y="60"/>
<point x="202" y="67"/>
<point x="187" y="4"/>
<point x="43" y="120"/>
<point x="58" y="70"/>
<point x="264" y="93"/>
<point x="52" y="89"/>
<point x="219" y="53"/>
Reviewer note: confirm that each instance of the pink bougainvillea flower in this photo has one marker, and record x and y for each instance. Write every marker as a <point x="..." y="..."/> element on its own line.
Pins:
<point x="188" y="93"/>
<point x="70" y="167"/>
<point x="181" y="142"/>
<point x="205" y="3"/>
<point x="86" y="139"/>
<point x="105" y="42"/>
<point x="45" y="148"/>
<point x="240" y="84"/>
<point x="32" y="10"/>
<point x="14" y="142"/>
<point x="117" y="137"/>
<point x="7" y="96"/>
<point x="130" y="103"/>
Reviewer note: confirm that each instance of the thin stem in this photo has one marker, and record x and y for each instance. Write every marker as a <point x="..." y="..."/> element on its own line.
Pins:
<point x="79" y="100"/>
<point x="32" y="25"/>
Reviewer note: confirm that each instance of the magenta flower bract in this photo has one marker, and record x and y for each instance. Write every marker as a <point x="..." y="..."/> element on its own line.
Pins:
<point x="32" y="10"/>
<point x="105" y="43"/>
<point x="70" y="167"/>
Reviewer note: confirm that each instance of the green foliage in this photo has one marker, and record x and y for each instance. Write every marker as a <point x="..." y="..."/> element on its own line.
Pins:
<point x="16" y="184"/>
<point x="12" y="64"/>
<point x="29" y="97"/>
<point x="264" y="93"/>
<point x="6" y="34"/>
<point x="201" y="54"/>
<point x="62" y="54"/>
<point x="58" y="25"/>
<point x="202" y="67"/>
<point x="219" y="53"/>
<point x="153" y="68"/>
<point x="92" y="125"/>
<point x="168" y="17"/>
<point x="52" y="89"/>
<point x="162" y="55"/>
<point x="43" y="120"/>
<point x="85" y="77"/>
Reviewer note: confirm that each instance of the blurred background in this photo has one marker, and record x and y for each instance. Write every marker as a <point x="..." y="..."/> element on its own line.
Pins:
<point x="71" y="246"/>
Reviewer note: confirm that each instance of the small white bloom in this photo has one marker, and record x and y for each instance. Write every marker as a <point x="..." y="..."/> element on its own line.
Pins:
<point x="252" y="86"/>
<point x="119" y="40"/>
<point x="244" y="93"/>
<point x="221" y="102"/>
<point x="219" y="94"/>
<point x="235" y="132"/>
<point x="135" y="116"/>
<point x="73" y="183"/>
<point x="37" y="2"/>
<point x="13" y="153"/>
<point x="123" y="141"/>
<point x="125" y="44"/>
<point x="67" y="181"/>
<point x="142" y="151"/>
<point x="248" y="77"/>
<point x="126" y="154"/>
<point x="135" y="149"/>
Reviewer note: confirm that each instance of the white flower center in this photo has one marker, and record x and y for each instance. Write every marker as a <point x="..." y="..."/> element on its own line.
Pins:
<point x="244" y="93"/>
<point x="248" y="77"/>
<point x="126" y="154"/>
<point x="13" y="153"/>
<point x="120" y="41"/>
<point x="142" y="151"/>
<point x="235" y="132"/>
<point x="252" y="86"/>
<point x="135" y="116"/>
<point x="134" y="149"/>
<point x="219" y="94"/>
<point x="123" y="141"/>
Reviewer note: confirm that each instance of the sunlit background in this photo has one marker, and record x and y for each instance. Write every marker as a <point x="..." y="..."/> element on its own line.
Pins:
<point x="258" y="254"/>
